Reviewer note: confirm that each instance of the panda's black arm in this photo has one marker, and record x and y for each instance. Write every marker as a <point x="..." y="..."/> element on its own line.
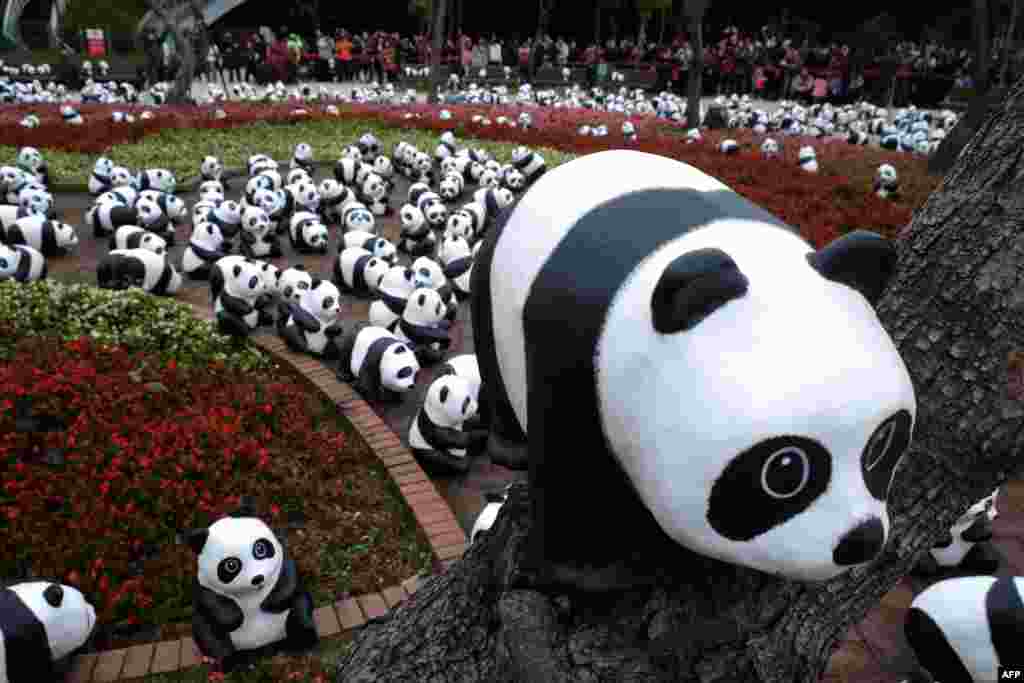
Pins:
<point x="303" y="319"/>
<point x="224" y="613"/>
<point x="334" y="330"/>
<point x="209" y="640"/>
<point x="239" y="307"/>
<point x="280" y="597"/>
<point x="451" y="438"/>
<point x="206" y="254"/>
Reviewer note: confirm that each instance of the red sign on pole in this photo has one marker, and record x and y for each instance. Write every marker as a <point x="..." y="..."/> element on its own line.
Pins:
<point x="95" y="43"/>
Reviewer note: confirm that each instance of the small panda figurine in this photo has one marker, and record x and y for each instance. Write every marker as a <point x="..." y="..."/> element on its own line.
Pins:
<point x="225" y="215"/>
<point x="50" y="238"/>
<point x="374" y="193"/>
<point x="493" y="200"/>
<point x="646" y="329"/>
<point x="41" y="624"/>
<point x="312" y="325"/>
<point x="485" y="520"/>
<point x="157" y="179"/>
<point x="296" y="176"/>
<point x="457" y="258"/>
<point x="512" y="179"/>
<point x="964" y="629"/>
<point x="239" y="296"/>
<point x="423" y="324"/>
<point x="770" y="149"/>
<point x="808" y="159"/>
<point x="9" y="213"/>
<point x="887" y="182"/>
<point x="302" y="157"/>
<point x="257" y="237"/>
<point x="357" y="271"/>
<point x="205" y="247"/>
<point x="460" y="223"/>
<point x="308" y="235"/>
<point x="529" y="163"/>
<point x="392" y="292"/>
<point x="434" y="210"/>
<point x="379" y="365"/>
<point x="124" y="268"/>
<point x="305" y="196"/>
<point x="173" y="207"/>
<point x="100" y="181"/>
<point x="21" y="263"/>
<point x="293" y="283"/>
<point x="436" y="435"/>
<point x="355" y="216"/>
<point x="416" y="238"/>
<point x="211" y="169"/>
<point x="134" y="237"/>
<point x="333" y="198"/>
<point x="966" y="547"/>
<point x="467" y="366"/>
<point x="345" y="171"/>
<point x="428" y="273"/>
<point x="248" y="593"/>
<point x="106" y="217"/>
<point x="450" y="188"/>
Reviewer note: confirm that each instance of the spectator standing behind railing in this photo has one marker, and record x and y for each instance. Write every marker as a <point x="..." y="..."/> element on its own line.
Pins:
<point x="479" y="55"/>
<point x="494" y="51"/>
<point x="467" y="55"/>
<point x="343" y="50"/>
<point x="791" y="65"/>
<point x="524" y="59"/>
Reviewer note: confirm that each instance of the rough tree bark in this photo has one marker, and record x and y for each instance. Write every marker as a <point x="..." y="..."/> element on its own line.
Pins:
<point x="694" y="10"/>
<point x="169" y="12"/>
<point x="1008" y="41"/>
<point x="982" y="45"/>
<point x="438" y="8"/>
<point x="955" y="311"/>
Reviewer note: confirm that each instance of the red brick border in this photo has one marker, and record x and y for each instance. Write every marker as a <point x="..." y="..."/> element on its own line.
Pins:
<point x="446" y="537"/>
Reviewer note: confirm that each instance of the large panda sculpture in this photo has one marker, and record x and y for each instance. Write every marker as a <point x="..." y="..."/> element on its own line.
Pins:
<point x="41" y="624"/>
<point x="248" y="593"/>
<point x="731" y="388"/>
<point x="962" y="630"/>
<point x="239" y="294"/>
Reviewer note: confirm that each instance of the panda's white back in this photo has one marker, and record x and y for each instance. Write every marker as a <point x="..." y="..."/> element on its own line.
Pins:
<point x="465" y="365"/>
<point x="957" y="606"/>
<point x="364" y="340"/>
<point x="155" y="264"/>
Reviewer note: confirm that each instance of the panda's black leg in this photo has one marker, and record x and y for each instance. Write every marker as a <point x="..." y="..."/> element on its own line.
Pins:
<point x="210" y="643"/>
<point x="300" y="627"/>
<point x="232" y="325"/>
<point x="428" y="356"/>
<point x="982" y="558"/>
<point x="294" y="339"/>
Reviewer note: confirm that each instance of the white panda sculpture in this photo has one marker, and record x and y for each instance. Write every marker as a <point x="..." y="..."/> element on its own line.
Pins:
<point x="257" y="238"/>
<point x="378" y="246"/>
<point x="355" y="216"/>
<point x="466" y="366"/>
<point x="392" y="291"/>
<point x="307" y="233"/>
<point x="423" y="325"/>
<point x="357" y="271"/>
<point x="436" y="435"/>
<point x="966" y="548"/>
<point x="312" y="325"/>
<point x="134" y="237"/>
<point x="41" y="624"/>
<point x="429" y="273"/>
<point x="485" y="520"/>
<point x="962" y="630"/>
<point x="123" y="268"/>
<point x="805" y="441"/>
<point x="378" y="364"/>
<point x="239" y="295"/>
<point x="50" y="238"/>
<point x="205" y="247"/>
<point x="293" y="282"/>
<point x="456" y="257"/>
<point x="248" y="592"/>
<point x="21" y="263"/>
<point x="416" y="238"/>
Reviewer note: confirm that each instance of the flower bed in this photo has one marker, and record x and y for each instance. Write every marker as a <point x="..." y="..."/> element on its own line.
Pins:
<point x="822" y="205"/>
<point x="153" y="447"/>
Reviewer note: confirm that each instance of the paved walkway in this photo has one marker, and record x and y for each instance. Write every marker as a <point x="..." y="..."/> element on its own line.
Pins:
<point x="874" y="652"/>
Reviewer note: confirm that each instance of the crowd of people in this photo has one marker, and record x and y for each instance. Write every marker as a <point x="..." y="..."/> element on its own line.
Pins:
<point x="761" y="64"/>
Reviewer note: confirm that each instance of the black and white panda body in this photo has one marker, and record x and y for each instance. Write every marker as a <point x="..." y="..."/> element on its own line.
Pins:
<point x="239" y="295"/>
<point x="41" y="624"/>
<point x="437" y="436"/>
<point x="106" y="217"/>
<point x="392" y="292"/>
<point x="416" y="237"/>
<point x="357" y="271"/>
<point x="248" y="594"/>
<point x="467" y="367"/>
<point x="123" y="268"/>
<point x="456" y="257"/>
<point x="50" y="238"/>
<point x="21" y="263"/>
<point x="378" y="364"/>
<point x="962" y="630"/>
<point x="9" y="213"/>
<point x="134" y="237"/>
<point x="424" y="325"/>
<point x="205" y="247"/>
<point x="711" y="282"/>
<point x="308" y="235"/>
<point x="529" y="163"/>
<point x="966" y="548"/>
<point x="312" y="325"/>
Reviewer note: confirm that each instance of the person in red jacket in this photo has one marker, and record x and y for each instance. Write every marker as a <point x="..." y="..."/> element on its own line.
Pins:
<point x="278" y="57"/>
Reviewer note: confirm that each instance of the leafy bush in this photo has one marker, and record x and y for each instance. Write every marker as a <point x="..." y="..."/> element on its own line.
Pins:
<point x="132" y="318"/>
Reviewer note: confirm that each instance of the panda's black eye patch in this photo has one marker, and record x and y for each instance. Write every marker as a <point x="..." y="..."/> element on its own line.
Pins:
<point x="262" y="549"/>
<point x="776" y="479"/>
<point x="3" y="263"/>
<point x="444" y="394"/>
<point x="883" y="452"/>
<point x="328" y="302"/>
<point x="404" y="373"/>
<point x="400" y="349"/>
<point x="422" y="299"/>
<point x="228" y="569"/>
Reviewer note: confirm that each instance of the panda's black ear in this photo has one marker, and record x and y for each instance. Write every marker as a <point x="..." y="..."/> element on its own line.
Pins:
<point x="693" y="287"/>
<point x="861" y="260"/>
<point x="54" y="595"/>
<point x="444" y="394"/>
<point x="423" y="299"/>
<point x="196" y="539"/>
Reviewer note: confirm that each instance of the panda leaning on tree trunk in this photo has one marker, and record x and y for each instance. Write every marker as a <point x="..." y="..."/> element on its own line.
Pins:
<point x="948" y="311"/>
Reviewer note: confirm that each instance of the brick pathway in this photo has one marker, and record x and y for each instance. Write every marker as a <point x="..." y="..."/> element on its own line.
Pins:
<point x="874" y="652"/>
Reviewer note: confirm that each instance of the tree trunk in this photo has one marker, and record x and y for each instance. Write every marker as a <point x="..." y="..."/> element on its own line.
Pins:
<point x="439" y="8"/>
<point x="462" y="13"/>
<point x="982" y="46"/>
<point x="678" y="18"/>
<point x="1007" y="41"/>
<point x="695" y="84"/>
<point x="543" y="17"/>
<point x="954" y="311"/>
<point x="597" y="23"/>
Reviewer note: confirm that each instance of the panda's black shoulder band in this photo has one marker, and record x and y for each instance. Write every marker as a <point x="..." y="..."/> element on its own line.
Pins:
<point x="694" y="286"/>
<point x="223" y="612"/>
<point x="861" y="260"/>
<point x="287" y="584"/>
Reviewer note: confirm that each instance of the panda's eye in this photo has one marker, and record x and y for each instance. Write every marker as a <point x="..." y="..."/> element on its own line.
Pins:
<point x="404" y="372"/>
<point x="3" y="263"/>
<point x="303" y="285"/>
<point x="262" y="549"/>
<point x="883" y="451"/>
<point x="400" y="349"/>
<point x="328" y="302"/>
<point x="228" y="569"/>
<point x="785" y="473"/>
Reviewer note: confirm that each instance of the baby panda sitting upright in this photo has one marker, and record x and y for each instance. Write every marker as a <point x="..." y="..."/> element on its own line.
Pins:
<point x="436" y="435"/>
<point x="312" y="325"/>
<point x="307" y="233"/>
<point x="205" y="247"/>
<point x="416" y="237"/>
<point x="239" y="295"/>
<point x="423" y="325"/>
<point x="258" y="238"/>
<point x="379" y="365"/>
<point x="457" y="260"/>
<point x="392" y="292"/>
<point x="41" y="625"/>
<point x="247" y="594"/>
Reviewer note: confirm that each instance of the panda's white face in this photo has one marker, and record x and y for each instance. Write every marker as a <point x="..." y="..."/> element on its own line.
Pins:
<point x="259" y="182"/>
<point x="35" y="201"/>
<point x="453" y="247"/>
<point x="360" y="218"/>
<point x="149" y="212"/>
<point x="374" y="187"/>
<point x="103" y="166"/>
<point x="303" y="152"/>
<point x="273" y="178"/>
<point x="330" y="189"/>
<point x="352" y="152"/>
<point x="323" y="302"/>
<point x="298" y="175"/>
<point x="373" y="272"/>
<point x="241" y="555"/>
<point x="30" y="159"/>
<point x="154" y="243"/>
<point x="476" y="170"/>
<point x="449" y="401"/>
<point x="436" y="213"/>
<point x="382" y="167"/>
<point x="424" y="307"/>
<point x="428" y="273"/>
<point x="412" y="219"/>
<point x="207" y="235"/>
<point x="450" y="189"/>
<point x="244" y="280"/>
<point x="255" y="221"/>
<point x="211" y="168"/>
<point x="161" y="179"/>
<point x="398" y="368"/>
<point x="769" y="431"/>
<point x="513" y="179"/>
<point x="315" y="234"/>
<point x="229" y="212"/>
<point x="67" y="618"/>
<point x="382" y="249"/>
<point x="211" y="191"/>
<point x="423" y="163"/>
<point x="293" y="284"/>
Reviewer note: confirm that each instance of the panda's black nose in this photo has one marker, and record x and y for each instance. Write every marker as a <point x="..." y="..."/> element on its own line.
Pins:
<point x="860" y="544"/>
<point x="257" y="580"/>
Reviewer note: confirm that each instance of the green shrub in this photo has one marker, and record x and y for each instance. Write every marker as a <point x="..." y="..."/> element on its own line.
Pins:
<point x="132" y="318"/>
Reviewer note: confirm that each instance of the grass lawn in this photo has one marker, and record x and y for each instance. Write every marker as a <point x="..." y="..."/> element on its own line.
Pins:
<point x="181" y="150"/>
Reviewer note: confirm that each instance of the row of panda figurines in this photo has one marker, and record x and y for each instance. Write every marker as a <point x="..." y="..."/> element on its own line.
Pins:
<point x="248" y="598"/>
